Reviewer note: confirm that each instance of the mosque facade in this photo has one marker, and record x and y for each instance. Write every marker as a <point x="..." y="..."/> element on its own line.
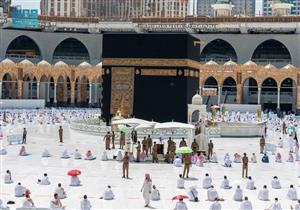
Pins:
<point x="152" y="69"/>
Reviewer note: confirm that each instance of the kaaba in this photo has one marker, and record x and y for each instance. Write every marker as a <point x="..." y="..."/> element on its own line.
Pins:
<point x="149" y="76"/>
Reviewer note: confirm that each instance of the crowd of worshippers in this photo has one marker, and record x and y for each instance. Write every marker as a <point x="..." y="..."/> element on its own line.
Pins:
<point x="45" y="116"/>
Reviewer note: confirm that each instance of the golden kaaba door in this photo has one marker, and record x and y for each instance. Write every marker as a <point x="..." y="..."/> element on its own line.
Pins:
<point x="122" y="90"/>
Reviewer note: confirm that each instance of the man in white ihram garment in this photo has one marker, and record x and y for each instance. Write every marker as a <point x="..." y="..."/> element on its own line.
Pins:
<point x="246" y="204"/>
<point x="180" y="182"/>
<point x="46" y="153"/>
<point x="250" y="184"/>
<point x="276" y="183"/>
<point x="75" y="181"/>
<point x="177" y="162"/>
<point x="275" y="206"/>
<point x="8" y="178"/>
<point x="292" y="193"/>
<point x="77" y="154"/>
<point x="238" y="194"/>
<point x="155" y="195"/>
<point x="19" y="190"/>
<point x="206" y="182"/>
<point x="85" y="204"/>
<point x="180" y="205"/>
<point x="61" y="193"/>
<point x="215" y="206"/>
<point x="65" y="154"/>
<point x="108" y="194"/>
<point x="119" y="156"/>
<point x="212" y="194"/>
<point x="44" y="180"/>
<point x="263" y="194"/>
<point x="193" y="194"/>
<point x="104" y="156"/>
<point x="225" y="184"/>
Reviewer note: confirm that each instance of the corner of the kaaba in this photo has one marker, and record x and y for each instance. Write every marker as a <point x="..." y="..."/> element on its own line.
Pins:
<point x="151" y="73"/>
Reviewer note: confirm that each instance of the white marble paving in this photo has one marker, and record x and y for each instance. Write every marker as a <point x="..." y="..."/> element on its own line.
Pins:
<point x="96" y="175"/>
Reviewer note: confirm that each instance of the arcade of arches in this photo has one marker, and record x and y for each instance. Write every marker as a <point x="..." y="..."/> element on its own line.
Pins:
<point x="57" y="85"/>
<point x="275" y="89"/>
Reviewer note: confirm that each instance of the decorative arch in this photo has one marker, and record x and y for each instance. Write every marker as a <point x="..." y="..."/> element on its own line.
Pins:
<point x="23" y="47"/>
<point x="218" y="50"/>
<point x="250" y="91"/>
<point x="272" y="51"/>
<point x="71" y="49"/>
<point x="229" y="90"/>
<point x="9" y="86"/>
<point x="211" y="82"/>
<point x="288" y="94"/>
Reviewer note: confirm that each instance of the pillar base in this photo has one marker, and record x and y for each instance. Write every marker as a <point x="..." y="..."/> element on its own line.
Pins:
<point x="298" y="111"/>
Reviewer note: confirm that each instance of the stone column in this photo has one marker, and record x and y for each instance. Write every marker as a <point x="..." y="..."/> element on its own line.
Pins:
<point x="20" y="89"/>
<point x="90" y="93"/>
<point x="258" y="95"/>
<point x="298" y="99"/>
<point x="96" y="86"/>
<point x="38" y="90"/>
<point x="0" y="90"/>
<point x="239" y="93"/>
<point x="219" y="95"/>
<point x="278" y="99"/>
<point x="48" y="92"/>
<point x="72" y="93"/>
<point x="55" y="100"/>
<point x="30" y="89"/>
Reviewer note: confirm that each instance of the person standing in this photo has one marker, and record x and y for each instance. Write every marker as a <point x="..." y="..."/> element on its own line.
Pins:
<point x="138" y="152"/>
<point x="169" y="144"/>
<point x="210" y="149"/>
<point x="122" y="140"/>
<point x="125" y="165"/>
<point x="283" y="128"/>
<point x="144" y="145"/>
<point x="195" y="146"/>
<point x="146" y="189"/>
<point x="149" y="144"/>
<point x="107" y="140"/>
<point x="154" y="153"/>
<point x="24" y="136"/>
<point x="134" y="136"/>
<point x="60" y="133"/>
<point x="245" y="165"/>
<point x="113" y="139"/>
<point x="182" y="143"/>
<point x="262" y="144"/>
<point x="172" y="151"/>
<point x="187" y="163"/>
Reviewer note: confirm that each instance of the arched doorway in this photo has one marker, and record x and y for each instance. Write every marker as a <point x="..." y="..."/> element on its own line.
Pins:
<point x="22" y="48"/>
<point x="272" y="51"/>
<point x="29" y="87"/>
<point x="269" y="94"/>
<point x="218" y="50"/>
<point x="210" y="82"/>
<point x="68" y="92"/>
<point x="250" y="91"/>
<point x="71" y="51"/>
<point x="43" y="87"/>
<point x="60" y="91"/>
<point x="228" y="91"/>
<point x="97" y="91"/>
<point x="51" y="91"/>
<point x="9" y="87"/>
<point x="288" y="95"/>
